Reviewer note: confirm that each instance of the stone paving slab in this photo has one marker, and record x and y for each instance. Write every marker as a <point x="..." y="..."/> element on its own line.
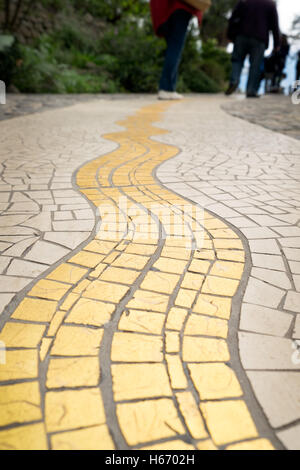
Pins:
<point x="170" y="253"/>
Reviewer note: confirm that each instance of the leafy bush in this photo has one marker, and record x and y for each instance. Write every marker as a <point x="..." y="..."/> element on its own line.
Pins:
<point x="8" y="58"/>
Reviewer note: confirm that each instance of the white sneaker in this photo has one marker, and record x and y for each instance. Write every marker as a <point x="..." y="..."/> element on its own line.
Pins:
<point x="169" y="95"/>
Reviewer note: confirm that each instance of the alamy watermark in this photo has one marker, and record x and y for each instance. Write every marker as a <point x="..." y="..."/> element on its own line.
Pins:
<point x="2" y="353"/>
<point x="296" y="93"/>
<point x="296" y="353"/>
<point x="2" y="92"/>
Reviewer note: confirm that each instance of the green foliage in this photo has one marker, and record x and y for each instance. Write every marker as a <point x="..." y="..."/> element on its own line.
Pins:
<point x="215" y="21"/>
<point x="8" y="58"/>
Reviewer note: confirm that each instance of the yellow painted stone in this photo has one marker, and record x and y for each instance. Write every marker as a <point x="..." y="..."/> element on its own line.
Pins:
<point x="47" y="289"/>
<point x="22" y="335"/>
<point x="228" y="244"/>
<point x="258" y="444"/>
<point x="130" y="347"/>
<point x="55" y="324"/>
<point x="136" y="381"/>
<point x="176" y="318"/>
<point x="205" y="350"/>
<point x="176" y="372"/>
<point x="31" y="437"/>
<point x="77" y="341"/>
<point x="185" y="298"/>
<point x="69" y="302"/>
<point x="108" y="292"/>
<point x="98" y="271"/>
<point x="111" y="258"/>
<point x="91" y="312"/>
<point x="67" y="273"/>
<point x="160" y="282"/>
<point x="146" y="421"/>
<point x="176" y="253"/>
<point x="215" y="381"/>
<point x="204" y="254"/>
<point x="170" y="445"/>
<point x="35" y="310"/>
<point x="206" y="326"/>
<point x="82" y="286"/>
<point x="128" y="260"/>
<point x="144" y="300"/>
<point x="73" y="409"/>
<point x="94" y="438"/>
<point x="192" y="281"/>
<point x="214" y="223"/>
<point x="220" y="286"/>
<point x="213" y="306"/>
<point x="231" y="255"/>
<point x="191" y="414"/>
<point x="223" y="233"/>
<point x="99" y="246"/>
<point x="227" y="269"/>
<point x="228" y="421"/>
<point x="87" y="259"/>
<point x="45" y="345"/>
<point x="20" y="403"/>
<point x="172" y="341"/>
<point x="139" y="249"/>
<point x="124" y="276"/>
<point x="169" y="265"/>
<point x="206" y="445"/>
<point x="22" y="364"/>
<point x="75" y="372"/>
<point x="199" y="266"/>
<point x="141" y="321"/>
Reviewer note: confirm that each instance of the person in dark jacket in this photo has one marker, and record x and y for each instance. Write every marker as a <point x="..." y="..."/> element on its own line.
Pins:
<point x="249" y="28"/>
<point x="171" y="20"/>
<point x="298" y="68"/>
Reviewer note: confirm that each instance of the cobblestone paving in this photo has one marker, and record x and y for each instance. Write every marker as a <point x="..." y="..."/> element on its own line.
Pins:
<point x="128" y="337"/>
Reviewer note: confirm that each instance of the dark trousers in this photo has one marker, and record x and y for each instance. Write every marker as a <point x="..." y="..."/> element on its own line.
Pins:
<point x="174" y="31"/>
<point x="243" y="47"/>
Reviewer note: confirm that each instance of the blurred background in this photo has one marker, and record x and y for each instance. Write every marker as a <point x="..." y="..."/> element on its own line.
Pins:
<point x="108" y="46"/>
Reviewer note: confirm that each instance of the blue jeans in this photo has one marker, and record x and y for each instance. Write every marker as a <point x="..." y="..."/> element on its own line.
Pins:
<point x="243" y="47"/>
<point x="175" y="32"/>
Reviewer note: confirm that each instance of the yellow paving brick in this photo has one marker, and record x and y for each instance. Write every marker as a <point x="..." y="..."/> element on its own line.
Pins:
<point x="199" y="266"/>
<point x="172" y="341"/>
<point x="176" y="372"/>
<point x="98" y="271"/>
<point x="144" y="300"/>
<point x="176" y="318"/>
<point x="228" y="421"/>
<point x="213" y="306"/>
<point x="258" y="444"/>
<point x="160" y="282"/>
<point x="176" y="253"/>
<point x="192" y="281"/>
<point x="73" y="409"/>
<point x="205" y="350"/>
<point x="214" y="381"/>
<point x="108" y="292"/>
<point x="19" y="365"/>
<point x="31" y="437"/>
<point x="231" y="255"/>
<point x="130" y="347"/>
<point x="136" y="381"/>
<point x="124" y="276"/>
<point x="206" y="326"/>
<point x="55" y="324"/>
<point x="94" y="438"/>
<point x="77" y="341"/>
<point x="147" y="421"/>
<point x="169" y="265"/>
<point x="205" y="254"/>
<point x="228" y="244"/>
<point x="141" y="321"/>
<point x="91" y="312"/>
<point x="220" y="286"/>
<point x="73" y="372"/>
<point x="20" y="403"/>
<point x="214" y="224"/>
<point x="49" y="290"/>
<point x="35" y="310"/>
<point x="131" y="261"/>
<point x="170" y="445"/>
<point x="223" y="233"/>
<point x="87" y="259"/>
<point x="111" y="258"/>
<point x="67" y="273"/>
<point x="22" y="335"/>
<point x="206" y="445"/>
<point x="191" y="414"/>
<point x="227" y="269"/>
<point x="185" y="298"/>
<point x="69" y="302"/>
<point x="46" y="343"/>
<point x="139" y="249"/>
<point x="82" y="286"/>
<point x="99" y="246"/>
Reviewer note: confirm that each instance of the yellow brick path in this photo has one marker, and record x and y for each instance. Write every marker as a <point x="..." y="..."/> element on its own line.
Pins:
<point x="142" y="311"/>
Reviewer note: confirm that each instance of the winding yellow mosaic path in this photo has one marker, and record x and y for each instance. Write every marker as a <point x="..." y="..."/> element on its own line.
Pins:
<point x="151" y="298"/>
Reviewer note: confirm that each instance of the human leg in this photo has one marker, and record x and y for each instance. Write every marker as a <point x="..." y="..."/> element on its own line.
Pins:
<point x="238" y="58"/>
<point x="257" y="51"/>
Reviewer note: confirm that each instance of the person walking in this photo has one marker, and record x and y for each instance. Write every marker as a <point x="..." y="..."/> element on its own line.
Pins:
<point x="249" y="28"/>
<point x="298" y="68"/>
<point x="171" y="19"/>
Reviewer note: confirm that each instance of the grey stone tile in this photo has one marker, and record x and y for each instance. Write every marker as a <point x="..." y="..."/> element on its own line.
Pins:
<point x="70" y="240"/>
<point x="26" y="268"/>
<point x="47" y="253"/>
<point x="268" y="246"/>
<point x="290" y="437"/>
<point x="268" y="262"/>
<point x="296" y="332"/>
<point x="5" y="300"/>
<point x="276" y="278"/>
<point x="13" y="284"/>
<point x="258" y="233"/>
<point x="292" y="302"/>
<point x="265" y="320"/>
<point x="260" y="293"/>
<point x="74" y="226"/>
<point x="290" y="242"/>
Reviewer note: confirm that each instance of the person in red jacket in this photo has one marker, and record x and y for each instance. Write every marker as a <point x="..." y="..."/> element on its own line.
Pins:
<point x="171" y="20"/>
